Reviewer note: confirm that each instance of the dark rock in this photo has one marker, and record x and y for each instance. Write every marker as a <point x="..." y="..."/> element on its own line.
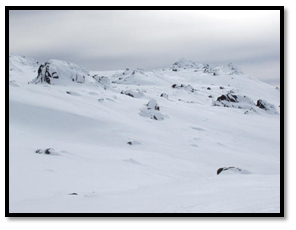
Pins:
<point x="73" y="193"/>
<point x="227" y="168"/>
<point x="164" y="95"/>
<point x="185" y="87"/>
<point x="130" y="143"/>
<point x="222" y="98"/>
<point x="210" y="96"/>
<point x="127" y="93"/>
<point x="47" y="151"/>
<point x="228" y="97"/>
<point x="38" y="151"/>
<point x="208" y="88"/>
<point x="219" y="170"/>
<point x="261" y="104"/>
<point x="221" y="87"/>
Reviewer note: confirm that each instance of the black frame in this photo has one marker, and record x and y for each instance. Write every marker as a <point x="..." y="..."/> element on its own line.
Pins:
<point x="282" y="124"/>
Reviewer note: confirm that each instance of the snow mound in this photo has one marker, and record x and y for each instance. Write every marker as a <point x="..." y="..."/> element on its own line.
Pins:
<point x="56" y="72"/>
<point x="186" y="64"/>
<point x="21" y="68"/>
<point x="230" y="69"/>
<point x="18" y="62"/>
<point x="103" y="81"/>
<point x="137" y="76"/>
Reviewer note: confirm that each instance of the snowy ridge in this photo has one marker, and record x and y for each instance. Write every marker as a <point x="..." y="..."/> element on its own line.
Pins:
<point x="155" y="151"/>
<point x="186" y="64"/>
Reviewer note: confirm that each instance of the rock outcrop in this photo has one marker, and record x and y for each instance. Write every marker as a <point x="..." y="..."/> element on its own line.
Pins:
<point x="56" y="72"/>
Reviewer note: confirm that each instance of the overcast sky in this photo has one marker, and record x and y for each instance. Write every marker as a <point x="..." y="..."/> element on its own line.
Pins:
<point x="112" y="40"/>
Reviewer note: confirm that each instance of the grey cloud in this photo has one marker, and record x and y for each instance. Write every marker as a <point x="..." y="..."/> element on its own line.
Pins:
<point x="102" y="40"/>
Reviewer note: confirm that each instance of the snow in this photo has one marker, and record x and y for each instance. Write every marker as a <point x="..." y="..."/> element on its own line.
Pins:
<point x="171" y="165"/>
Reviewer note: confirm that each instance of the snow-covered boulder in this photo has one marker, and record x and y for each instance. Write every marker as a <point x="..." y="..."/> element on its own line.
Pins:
<point x="56" y="72"/>
<point x="152" y="110"/>
<point x="186" y="64"/>
<point x="269" y="108"/>
<point x="131" y="93"/>
<point x="152" y="105"/>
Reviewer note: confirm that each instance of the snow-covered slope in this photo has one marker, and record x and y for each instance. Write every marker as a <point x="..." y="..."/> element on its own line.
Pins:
<point x="113" y="152"/>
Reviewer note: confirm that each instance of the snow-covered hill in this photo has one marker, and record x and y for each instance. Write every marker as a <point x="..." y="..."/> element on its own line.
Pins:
<point x="141" y="140"/>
